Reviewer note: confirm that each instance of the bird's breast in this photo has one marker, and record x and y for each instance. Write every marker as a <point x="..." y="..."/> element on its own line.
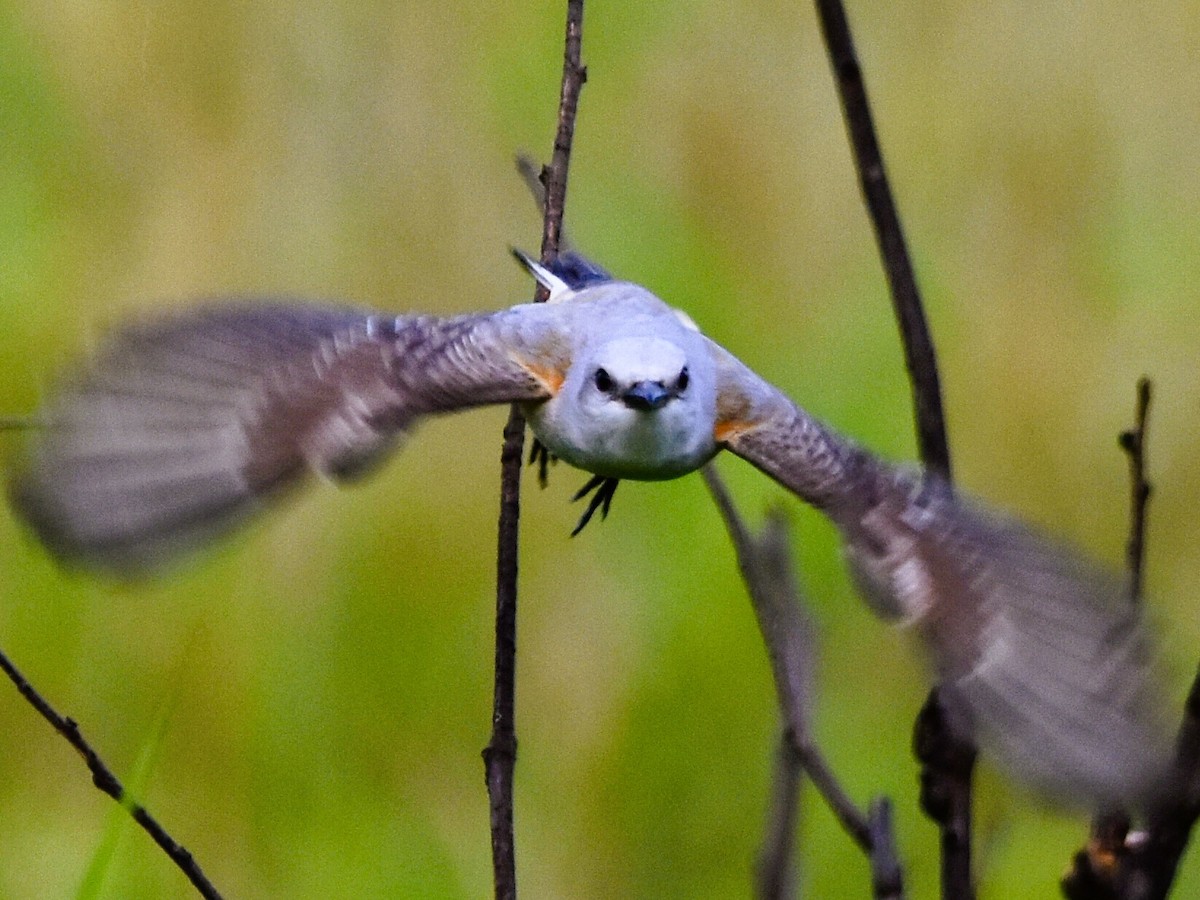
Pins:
<point x="625" y="443"/>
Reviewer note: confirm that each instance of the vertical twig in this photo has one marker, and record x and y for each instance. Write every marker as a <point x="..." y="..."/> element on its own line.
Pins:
<point x="1108" y="850"/>
<point x="887" y="880"/>
<point x="947" y="759"/>
<point x="775" y="868"/>
<point x="104" y="780"/>
<point x="500" y="755"/>
<point x="1105" y="867"/>
<point x="1133" y="442"/>
<point x="501" y="752"/>
<point x="1114" y="865"/>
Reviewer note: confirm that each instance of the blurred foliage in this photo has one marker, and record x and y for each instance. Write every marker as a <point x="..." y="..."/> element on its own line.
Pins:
<point x="327" y="674"/>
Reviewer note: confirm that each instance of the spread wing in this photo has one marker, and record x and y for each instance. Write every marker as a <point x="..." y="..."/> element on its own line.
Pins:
<point x="180" y="428"/>
<point x="1041" y="653"/>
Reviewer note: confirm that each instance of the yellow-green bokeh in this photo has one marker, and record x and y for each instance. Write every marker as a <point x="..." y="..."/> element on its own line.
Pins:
<point x="326" y="676"/>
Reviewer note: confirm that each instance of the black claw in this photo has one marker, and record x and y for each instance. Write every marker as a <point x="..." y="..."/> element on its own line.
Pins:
<point x="601" y="500"/>
<point x="543" y="457"/>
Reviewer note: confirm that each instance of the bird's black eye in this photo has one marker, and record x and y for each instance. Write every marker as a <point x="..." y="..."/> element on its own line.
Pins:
<point x="682" y="382"/>
<point x="603" y="380"/>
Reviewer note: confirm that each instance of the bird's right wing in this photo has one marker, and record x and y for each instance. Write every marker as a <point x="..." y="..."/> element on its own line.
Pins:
<point x="181" y="427"/>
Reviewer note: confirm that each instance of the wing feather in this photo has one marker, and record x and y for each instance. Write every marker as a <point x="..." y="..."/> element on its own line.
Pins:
<point x="1041" y="651"/>
<point x="1042" y="654"/>
<point x="180" y="428"/>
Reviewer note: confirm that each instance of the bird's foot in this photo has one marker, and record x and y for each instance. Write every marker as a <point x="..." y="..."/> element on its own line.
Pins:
<point x="601" y="500"/>
<point x="543" y="457"/>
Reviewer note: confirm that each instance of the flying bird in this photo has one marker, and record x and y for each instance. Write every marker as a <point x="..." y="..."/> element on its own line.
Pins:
<point x="182" y="427"/>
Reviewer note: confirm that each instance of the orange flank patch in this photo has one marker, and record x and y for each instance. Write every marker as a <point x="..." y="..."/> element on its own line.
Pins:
<point x="735" y="415"/>
<point x="727" y="429"/>
<point x="549" y="376"/>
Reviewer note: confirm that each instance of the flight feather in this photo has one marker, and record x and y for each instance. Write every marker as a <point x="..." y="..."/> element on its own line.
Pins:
<point x="181" y="427"/>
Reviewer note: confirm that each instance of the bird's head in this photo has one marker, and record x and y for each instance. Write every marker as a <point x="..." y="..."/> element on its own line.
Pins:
<point x="639" y="397"/>
<point x="635" y="407"/>
<point x="638" y="374"/>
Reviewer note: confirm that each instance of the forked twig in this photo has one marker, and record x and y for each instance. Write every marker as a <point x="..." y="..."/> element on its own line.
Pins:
<point x="766" y="569"/>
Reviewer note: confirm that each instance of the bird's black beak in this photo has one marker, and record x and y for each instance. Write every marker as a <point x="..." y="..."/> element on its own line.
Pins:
<point x="646" y="395"/>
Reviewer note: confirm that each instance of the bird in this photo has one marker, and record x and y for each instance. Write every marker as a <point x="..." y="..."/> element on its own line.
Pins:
<point x="183" y="426"/>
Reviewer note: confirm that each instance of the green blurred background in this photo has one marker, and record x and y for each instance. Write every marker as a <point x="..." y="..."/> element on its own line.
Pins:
<point x="304" y="707"/>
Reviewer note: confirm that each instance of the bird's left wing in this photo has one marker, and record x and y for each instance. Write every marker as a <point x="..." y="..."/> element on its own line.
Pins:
<point x="180" y="427"/>
<point x="1042" y="655"/>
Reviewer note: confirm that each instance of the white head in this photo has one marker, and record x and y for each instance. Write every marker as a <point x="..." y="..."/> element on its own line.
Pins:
<point x="642" y="374"/>
<point x="636" y="406"/>
<point x="638" y="399"/>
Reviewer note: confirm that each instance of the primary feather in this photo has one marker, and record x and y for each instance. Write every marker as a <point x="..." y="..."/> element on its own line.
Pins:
<point x="182" y="427"/>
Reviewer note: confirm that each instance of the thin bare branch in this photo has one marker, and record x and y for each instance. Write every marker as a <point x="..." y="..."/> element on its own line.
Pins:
<point x="1171" y="827"/>
<point x="104" y="779"/>
<point x="1133" y="442"/>
<point x="906" y="298"/>
<point x="766" y="569"/>
<point x="946" y="793"/>
<point x="887" y="879"/>
<point x="500" y="755"/>
<point x="1118" y="864"/>
<point x="501" y="752"/>
<point x="1105" y="867"/>
<point x="775" y="869"/>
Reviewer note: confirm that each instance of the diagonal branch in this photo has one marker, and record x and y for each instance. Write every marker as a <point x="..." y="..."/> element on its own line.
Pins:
<point x="766" y="569"/>
<point x="104" y="779"/>
<point x="500" y="755"/>
<point x="787" y="633"/>
<point x="919" y="354"/>
<point x="947" y="759"/>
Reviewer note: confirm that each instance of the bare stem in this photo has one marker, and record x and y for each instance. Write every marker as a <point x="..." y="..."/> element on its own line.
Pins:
<point x="787" y="633"/>
<point x="1112" y="866"/>
<point x="887" y="879"/>
<point x="1133" y="442"/>
<point x="946" y="792"/>
<point x="500" y="755"/>
<point x="104" y="779"/>
<point x="919" y="354"/>
<point x="775" y="869"/>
